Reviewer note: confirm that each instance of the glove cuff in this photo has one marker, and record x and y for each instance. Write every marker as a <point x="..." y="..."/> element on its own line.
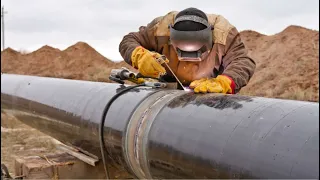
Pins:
<point x="136" y="54"/>
<point x="232" y="84"/>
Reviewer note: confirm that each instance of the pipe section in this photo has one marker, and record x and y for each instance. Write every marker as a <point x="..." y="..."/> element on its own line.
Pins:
<point x="71" y="110"/>
<point x="171" y="133"/>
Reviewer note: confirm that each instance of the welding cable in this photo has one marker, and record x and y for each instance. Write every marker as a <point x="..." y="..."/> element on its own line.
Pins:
<point x="101" y="130"/>
<point x="4" y="172"/>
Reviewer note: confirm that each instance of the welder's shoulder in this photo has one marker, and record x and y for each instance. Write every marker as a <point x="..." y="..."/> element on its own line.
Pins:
<point x="222" y="28"/>
<point x="160" y="24"/>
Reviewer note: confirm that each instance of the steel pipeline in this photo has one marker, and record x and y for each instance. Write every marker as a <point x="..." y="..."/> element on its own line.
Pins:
<point x="171" y="133"/>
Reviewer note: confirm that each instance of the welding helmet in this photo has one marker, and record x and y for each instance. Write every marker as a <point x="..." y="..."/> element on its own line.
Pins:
<point x="191" y="35"/>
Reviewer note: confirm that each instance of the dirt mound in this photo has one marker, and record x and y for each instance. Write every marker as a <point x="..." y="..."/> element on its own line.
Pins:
<point x="9" y="52"/>
<point x="287" y="64"/>
<point x="79" y="61"/>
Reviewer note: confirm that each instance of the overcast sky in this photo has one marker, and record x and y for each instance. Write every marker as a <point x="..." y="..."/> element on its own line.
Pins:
<point x="30" y="24"/>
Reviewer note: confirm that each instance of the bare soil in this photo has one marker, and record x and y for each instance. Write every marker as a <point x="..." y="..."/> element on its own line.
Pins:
<point x="287" y="64"/>
<point x="18" y="139"/>
<point x="79" y="61"/>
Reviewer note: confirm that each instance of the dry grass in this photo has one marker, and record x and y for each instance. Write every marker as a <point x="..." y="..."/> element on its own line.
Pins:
<point x="301" y="94"/>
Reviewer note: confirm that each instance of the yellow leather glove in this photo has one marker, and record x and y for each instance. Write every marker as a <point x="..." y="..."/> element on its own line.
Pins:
<point x="145" y="61"/>
<point x="220" y="84"/>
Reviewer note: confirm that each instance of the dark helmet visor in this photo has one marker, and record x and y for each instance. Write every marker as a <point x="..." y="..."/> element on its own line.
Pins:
<point x="191" y="45"/>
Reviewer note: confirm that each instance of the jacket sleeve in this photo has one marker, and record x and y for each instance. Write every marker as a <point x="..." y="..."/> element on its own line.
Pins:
<point x="144" y="37"/>
<point x="236" y="62"/>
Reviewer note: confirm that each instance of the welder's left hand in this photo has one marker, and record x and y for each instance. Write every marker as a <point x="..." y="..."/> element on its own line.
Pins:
<point x="220" y="84"/>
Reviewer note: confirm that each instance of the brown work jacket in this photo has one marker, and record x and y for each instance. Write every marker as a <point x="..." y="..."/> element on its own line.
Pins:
<point x="227" y="57"/>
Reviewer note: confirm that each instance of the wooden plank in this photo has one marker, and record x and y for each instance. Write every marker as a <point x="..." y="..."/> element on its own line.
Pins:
<point x="75" y="149"/>
<point x="85" y="152"/>
<point x="56" y="166"/>
<point x="79" y="155"/>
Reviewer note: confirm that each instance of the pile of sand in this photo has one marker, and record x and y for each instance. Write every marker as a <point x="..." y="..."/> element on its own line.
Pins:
<point x="79" y="61"/>
<point x="287" y="63"/>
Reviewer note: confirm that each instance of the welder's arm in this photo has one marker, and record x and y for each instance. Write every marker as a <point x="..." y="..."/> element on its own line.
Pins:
<point x="238" y="69"/>
<point x="238" y="66"/>
<point x="135" y="39"/>
<point x="136" y="49"/>
<point x="144" y="38"/>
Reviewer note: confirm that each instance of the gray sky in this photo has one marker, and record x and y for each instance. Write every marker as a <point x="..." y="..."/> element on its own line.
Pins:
<point x="102" y="24"/>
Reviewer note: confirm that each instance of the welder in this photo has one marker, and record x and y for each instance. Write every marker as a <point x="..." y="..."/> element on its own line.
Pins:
<point x="203" y="51"/>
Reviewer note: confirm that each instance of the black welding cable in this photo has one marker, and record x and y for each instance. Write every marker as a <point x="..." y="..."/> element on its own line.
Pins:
<point x="101" y="129"/>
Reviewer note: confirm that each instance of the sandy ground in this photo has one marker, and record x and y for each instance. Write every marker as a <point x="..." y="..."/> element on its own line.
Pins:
<point x="18" y="139"/>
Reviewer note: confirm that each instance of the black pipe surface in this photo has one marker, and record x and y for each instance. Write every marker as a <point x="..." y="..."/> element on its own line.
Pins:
<point x="171" y="133"/>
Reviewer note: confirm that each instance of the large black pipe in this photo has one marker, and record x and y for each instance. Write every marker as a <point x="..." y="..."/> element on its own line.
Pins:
<point x="172" y="133"/>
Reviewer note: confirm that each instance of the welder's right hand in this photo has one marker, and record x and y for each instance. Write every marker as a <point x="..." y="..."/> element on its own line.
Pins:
<point x="145" y="61"/>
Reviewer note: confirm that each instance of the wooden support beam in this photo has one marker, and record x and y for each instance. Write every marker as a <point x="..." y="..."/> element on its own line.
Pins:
<point x="78" y="154"/>
<point x="56" y="166"/>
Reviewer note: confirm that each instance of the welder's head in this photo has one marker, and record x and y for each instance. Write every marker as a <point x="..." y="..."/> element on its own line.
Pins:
<point x="191" y="35"/>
